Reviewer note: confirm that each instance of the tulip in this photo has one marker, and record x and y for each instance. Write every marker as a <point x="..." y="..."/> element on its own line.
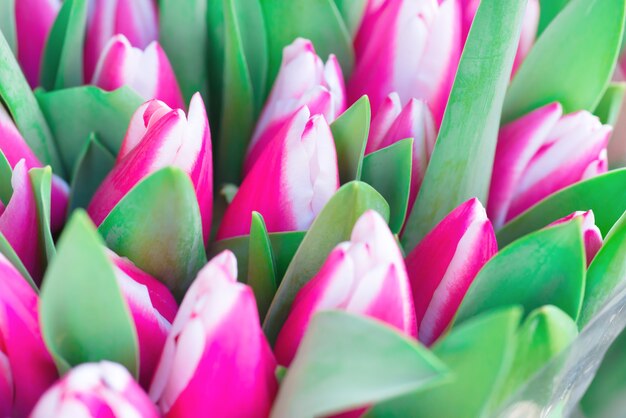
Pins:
<point x="95" y="390"/>
<point x="365" y="275"/>
<point x="147" y="71"/>
<point x="216" y="362"/>
<point x="541" y="153"/>
<point x="443" y="265"/>
<point x="303" y="80"/>
<point x="411" y="47"/>
<point x="159" y="136"/>
<point x="592" y="237"/>
<point x="135" y="19"/>
<point x="26" y="367"/>
<point x="291" y="181"/>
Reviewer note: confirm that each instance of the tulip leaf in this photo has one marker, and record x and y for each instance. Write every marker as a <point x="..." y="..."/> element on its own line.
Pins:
<point x="609" y="107"/>
<point x="389" y="171"/>
<point x="18" y="98"/>
<point x="7" y="23"/>
<point x="350" y="132"/>
<point x="41" y="180"/>
<point x="602" y="194"/>
<point x="62" y="61"/>
<point x="586" y="37"/>
<point x="546" y="267"/>
<point x="352" y="12"/>
<point x="479" y="354"/>
<point x="8" y="251"/>
<point x="548" y="11"/>
<point x="346" y="361"/>
<point x="261" y="270"/>
<point x="462" y="160"/>
<point x="73" y="114"/>
<point x="318" y="21"/>
<point x="173" y="252"/>
<point x="6" y="172"/>
<point x="92" y="166"/>
<point x="83" y="315"/>
<point x="333" y="225"/>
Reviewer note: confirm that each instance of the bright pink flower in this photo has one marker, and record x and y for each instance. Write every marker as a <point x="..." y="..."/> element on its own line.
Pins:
<point x="365" y="275"/>
<point x="216" y="362"/>
<point x="147" y="71"/>
<point x="541" y="153"/>
<point x="96" y="390"/>
<point x="591" y="233"/>
<point x="158" y="137"/>
<point x="303" y="80"/>
<point x="290" y="182"/>
<point x="135" y="19"/>
<point x="443" y="265"/>
<point x="26" y="367"/>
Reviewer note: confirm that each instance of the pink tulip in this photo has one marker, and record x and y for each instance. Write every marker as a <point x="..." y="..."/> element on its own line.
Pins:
<point x="96" y="390"/>
<point x="541" y="153"/>
<point x="216" y="362"/>
<point x="158" y="137"/>
<point x="365" y="275"/>
<point x="135" y="19"/>
<point x="147" y="71"/>
<point x="26" y="367"/>
<point x="591" y="233"/>
<point x="443" y="265"/>
<point x="411" y="47"/>
<point x="291" y="181"/>
<point x="392" y="123"/>
<point x="303" y="80"/>
<point x="33" y="21"/>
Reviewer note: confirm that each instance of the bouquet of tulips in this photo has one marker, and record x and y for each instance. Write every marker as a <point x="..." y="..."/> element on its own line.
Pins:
<point x="311" y="208"/>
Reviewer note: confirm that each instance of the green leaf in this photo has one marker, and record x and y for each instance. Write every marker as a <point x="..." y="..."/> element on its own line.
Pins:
<point x="6" y="173"/>
<point x="41" y="180"/>
<point x="548" y="11"/>
<point x="462" y="160"/>
<point x="7" y="23"/>
<point x="8" y="251"/>
<point x="479" y="354"/>
<point x="350" y="131"/>
<point x="602" y="194"/>
<point x="84" y="317"/>
<point x="352" y="12"/>
<point x="62" y="61"/>
<point x="92" y="166"/>
<point x="389" y="171"/>
<point x="609" y="107"/>
<point x="261" y="270"/>
<point x="347" y="361"/>
<point x="546" y="267"/>
<point x="333" y="225"/>
<point x="173" y="252"/>
<point x="586" y="38"/>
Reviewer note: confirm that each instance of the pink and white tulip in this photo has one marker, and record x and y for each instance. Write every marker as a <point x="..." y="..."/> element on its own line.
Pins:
<point x="303" y="80"/>
<point x="216" y="362"/>
<point x="365" y="275"/>
<point x="26" y="367"/>
<point x="290" y="182"/>
<point x="411" y="47"/>
<point x="541" y="153"/>
<point x="157" y="137"/>
<point x="443" y="265"/>
<point x="96" y="390"/>
<point x="135" y="19"/>
<point x="148" y="71"/>
<point x="592" y="237"/>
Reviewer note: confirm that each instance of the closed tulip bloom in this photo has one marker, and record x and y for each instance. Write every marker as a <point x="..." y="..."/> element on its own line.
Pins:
<point x="443" y="265"/>
<point x="157" y="137"/>
<point x="541" y="153"/>
<point x="96" y="390"/>
<point x="217" y="362"/>
<point x="592" y="237"/>
<point x="365" y="275"/>
<point x="303" y="80"/>
<point x="291" y="181"/>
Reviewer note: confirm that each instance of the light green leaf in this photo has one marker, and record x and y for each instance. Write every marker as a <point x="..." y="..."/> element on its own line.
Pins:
<point x="41" y="180"/>
<point x="7" y="23"/>
<point x="548" y="9"/>
<point x="261" y="270"/>
<point x="350" y="131"/>
<point x="352" y="12"/>
<point x="609" y="107"/>
<point x="6" y="173"/>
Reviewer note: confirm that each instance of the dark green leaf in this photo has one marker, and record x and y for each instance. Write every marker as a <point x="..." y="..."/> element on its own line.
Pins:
<point x="6" y="172"/>
<point x="609" y="107"/>
<point x="261" y="270"/>
<point x="548" y="11"/>
<point x="350" y="132"/>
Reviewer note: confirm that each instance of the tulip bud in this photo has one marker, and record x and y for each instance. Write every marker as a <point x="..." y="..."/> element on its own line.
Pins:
<point x="592" y="237"/>
<point x="216" y="362"/>
<point x="303" y="80"/>
<point x="158" y="137"/>
<point x="541" y="153"/>
<point x="444" y="264"/>
<point x="26" y="367"/>
<point x="147" y="71"/>
<point x="95" y="390"/>
<point x="290" y="182"/>
<point x="365" y="275"/>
